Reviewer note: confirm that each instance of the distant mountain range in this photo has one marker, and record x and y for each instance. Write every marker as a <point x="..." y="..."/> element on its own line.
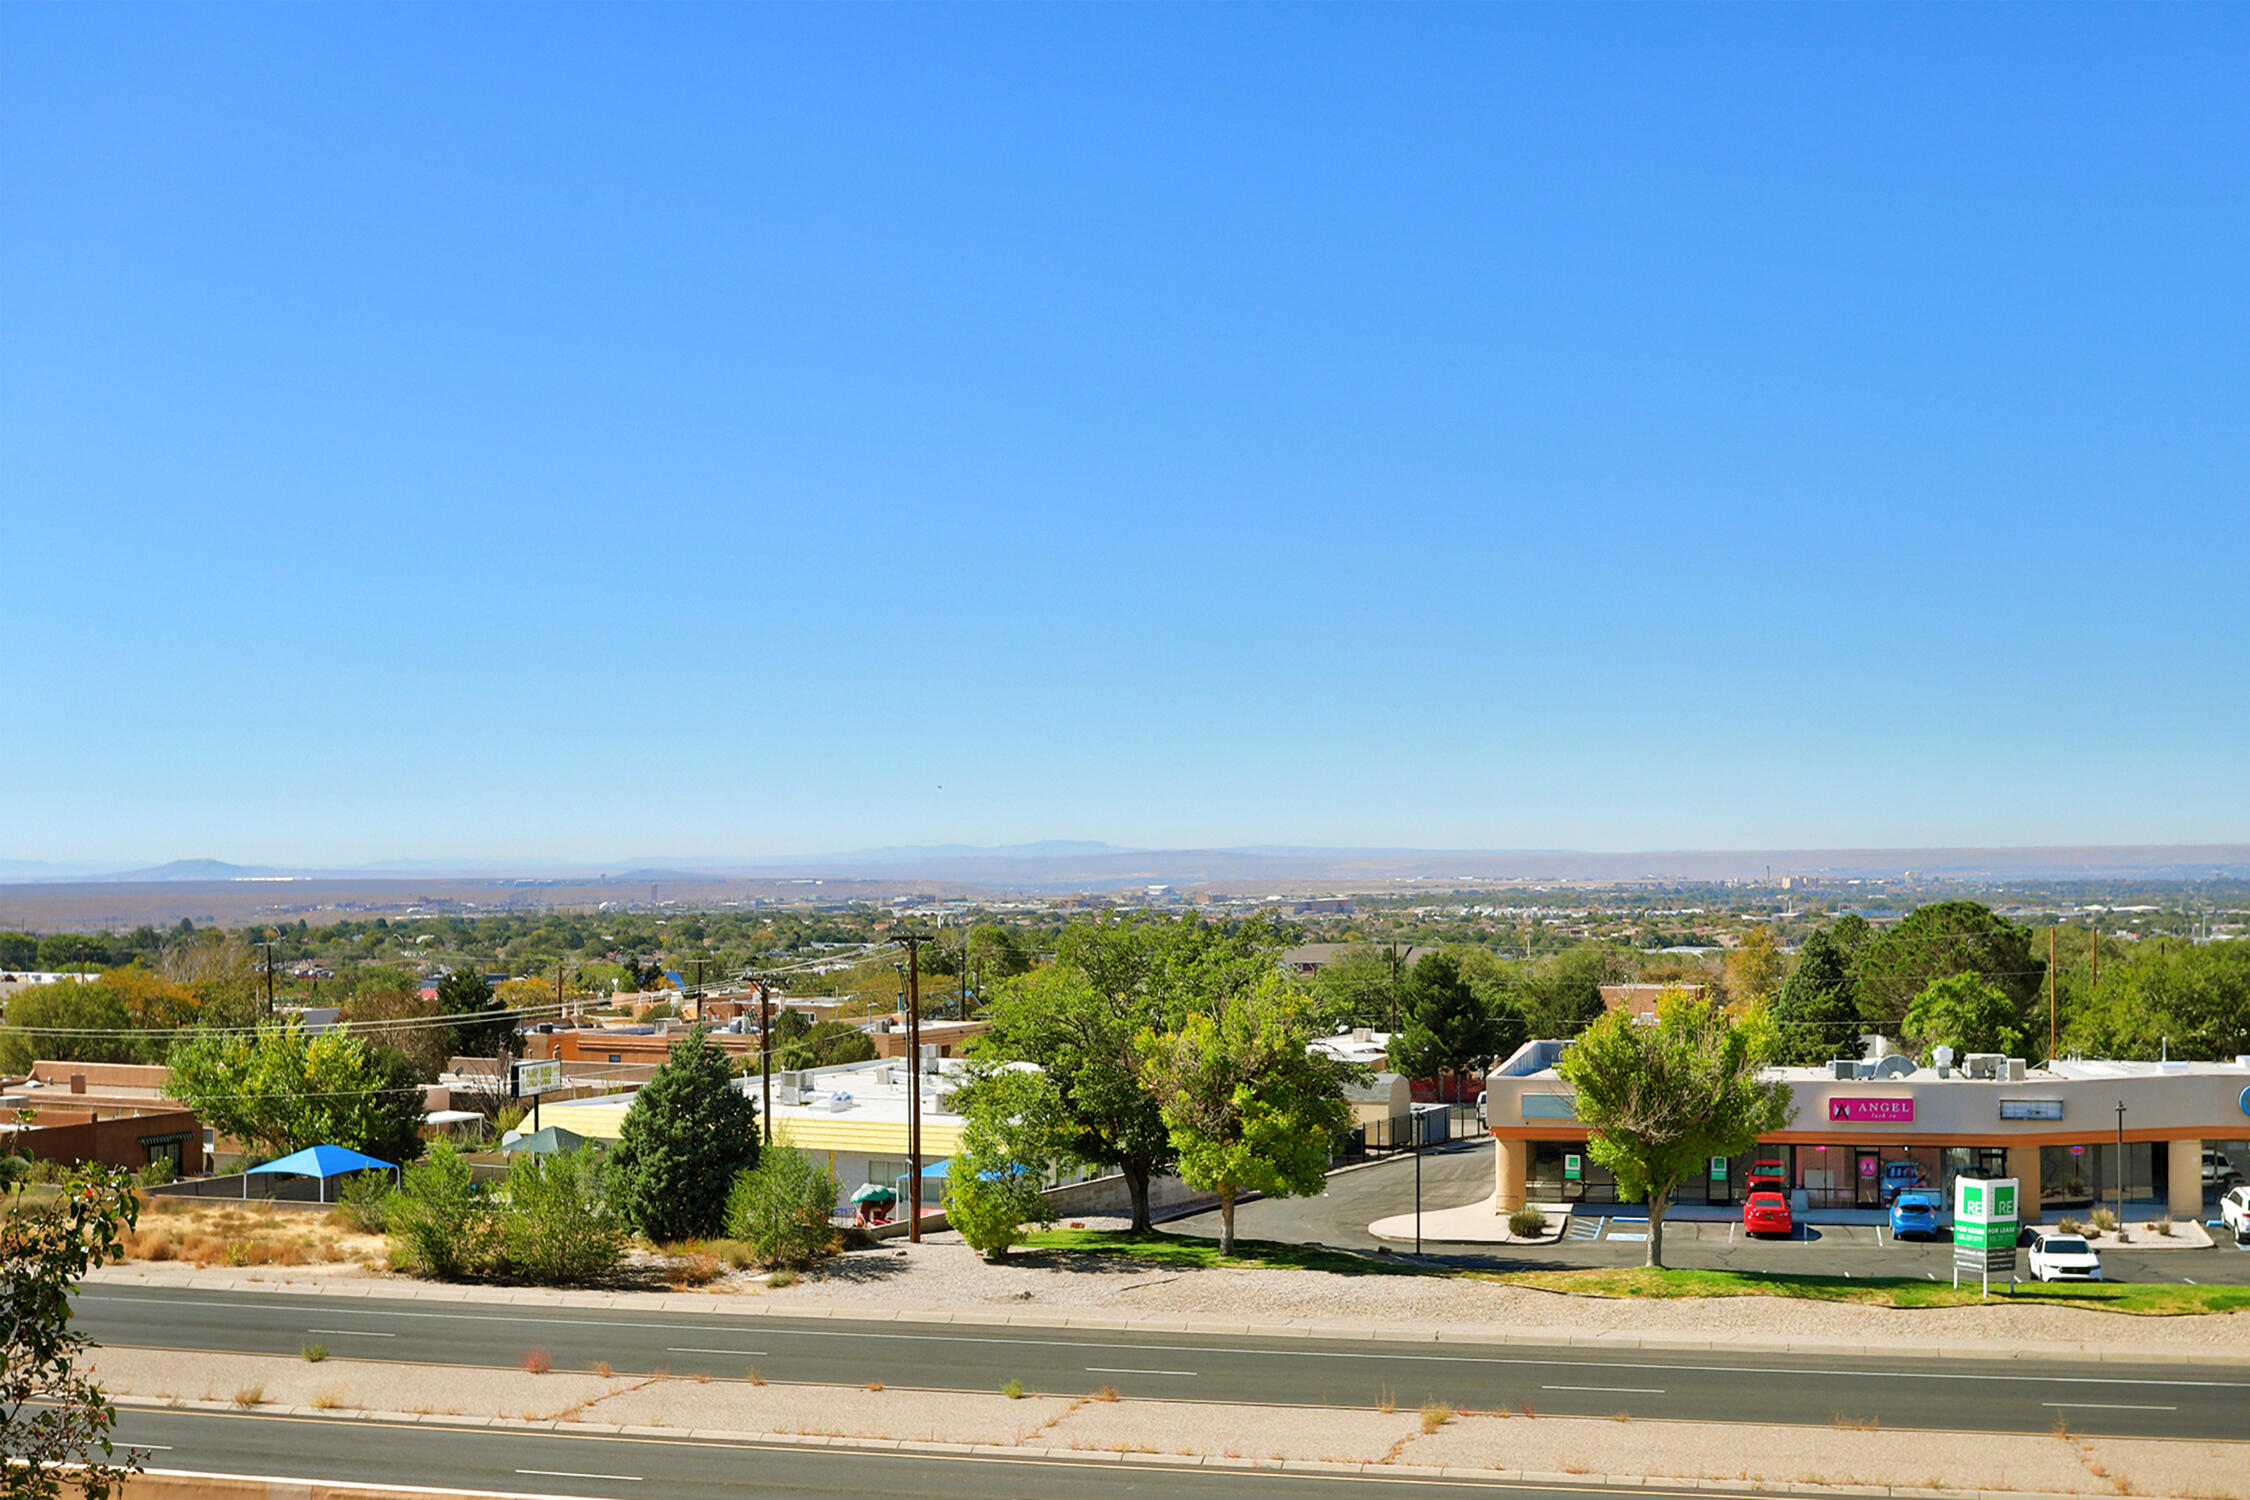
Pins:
<point x="1063" y="864"/>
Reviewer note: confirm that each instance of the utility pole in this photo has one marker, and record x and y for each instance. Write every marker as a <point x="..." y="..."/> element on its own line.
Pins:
<point x="268" y="946"/>
<point x="912" y="942"/>
<point x="765" y="1055"/>
<point x="1394" y="986"/>
<point x="2050" y="994"/>
<point x="2097" y="953"/>
<point x="2120" y="1166"/>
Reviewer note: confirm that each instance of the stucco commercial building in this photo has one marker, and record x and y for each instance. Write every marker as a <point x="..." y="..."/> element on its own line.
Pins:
<point x="1853" y="1142"/>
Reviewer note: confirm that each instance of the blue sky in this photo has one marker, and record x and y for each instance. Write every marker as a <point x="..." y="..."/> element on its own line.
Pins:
<point x="573" y="433"/>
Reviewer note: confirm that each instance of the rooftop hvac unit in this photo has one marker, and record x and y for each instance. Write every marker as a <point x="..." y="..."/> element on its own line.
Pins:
<point x="2017" y="1068"/>
<point x="1897" y="1065"/>
<point x="1844" y="1069"/>
<point x="1984" y="1064"/>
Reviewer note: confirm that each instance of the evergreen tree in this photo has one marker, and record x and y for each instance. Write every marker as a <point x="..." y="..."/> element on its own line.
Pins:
<point x="482" y="1032"/>
<point x="1446" y="1024"/>
<point x="684" y="1141"/>
<point x="1817" y="1012"/>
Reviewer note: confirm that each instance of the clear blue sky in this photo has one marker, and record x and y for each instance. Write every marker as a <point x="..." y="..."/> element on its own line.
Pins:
<point x="579" y="432"/>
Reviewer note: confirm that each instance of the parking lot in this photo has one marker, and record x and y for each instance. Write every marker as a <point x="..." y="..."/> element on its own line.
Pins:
<point x="1617" y="1235"/>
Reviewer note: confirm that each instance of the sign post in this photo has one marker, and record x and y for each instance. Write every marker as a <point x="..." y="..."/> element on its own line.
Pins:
<point x="534" y="1079"/>
<point x="1985" y="1225"/>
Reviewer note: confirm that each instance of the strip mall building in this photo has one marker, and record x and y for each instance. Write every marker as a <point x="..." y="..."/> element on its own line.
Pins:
<point x="1853" y="1142"/>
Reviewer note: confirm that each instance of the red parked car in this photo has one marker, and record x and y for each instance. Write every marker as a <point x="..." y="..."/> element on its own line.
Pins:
<point x="1766" y="1177"/>
<point x="1767" y="1213"/>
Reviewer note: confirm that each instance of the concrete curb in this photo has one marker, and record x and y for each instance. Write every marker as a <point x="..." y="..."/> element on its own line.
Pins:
<point x="1406" y="1333"/>
<point x="1421" y="1472"/>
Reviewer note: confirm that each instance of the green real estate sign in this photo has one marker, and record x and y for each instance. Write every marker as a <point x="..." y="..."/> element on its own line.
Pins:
<point x="1984" y="1215"/>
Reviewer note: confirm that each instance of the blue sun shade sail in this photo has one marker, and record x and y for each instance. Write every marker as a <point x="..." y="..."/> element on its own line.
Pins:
<point x="326" y="1161"/>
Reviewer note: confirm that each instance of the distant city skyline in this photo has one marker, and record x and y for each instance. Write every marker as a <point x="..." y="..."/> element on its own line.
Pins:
<point x="535" y="434"/>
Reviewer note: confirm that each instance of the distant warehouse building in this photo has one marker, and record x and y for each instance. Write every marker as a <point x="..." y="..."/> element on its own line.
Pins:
<point x="1862" y="1132"/>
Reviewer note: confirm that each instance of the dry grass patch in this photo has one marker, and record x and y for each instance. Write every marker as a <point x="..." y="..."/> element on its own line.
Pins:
<point x="216" y="1232"/>
<point x="249" y="1395"/>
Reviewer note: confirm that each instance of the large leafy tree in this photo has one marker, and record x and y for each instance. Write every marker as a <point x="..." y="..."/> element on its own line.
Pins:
<point x="1937" y="942"/>
<point x="1078" y="1017"/>
<point x="1013" y="1132"/>
<point x="1965" y="1013"/>
<point x="1249" y="1107"/>
<point x="1446" y="1024"/>
<point x="1562" y="995"/>
<point x="2168" y="997"/>
<point x="1661" y="1100"/>
<point x="689" y="1133"/>
<point x="1356" y="987"/>
<point x="45" y="1021"/>
<point x="54" y="1422"/>
<point x="1816" y="1015"/>
<point x="282" y="1088"/>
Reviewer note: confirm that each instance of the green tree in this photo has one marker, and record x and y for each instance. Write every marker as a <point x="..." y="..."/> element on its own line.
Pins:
<point x="1446" y="1024"/>
<point x="282" y="1088"/>
<point x="45" y="1020"/>
<point x="558" y="1225"/>
<point x="1355" y="987"/>
<point x="1816" y="1015"/>
<point x="781" y="1207"/>
<point x="18" y="950"/>
<point x="73" y="951"/>
<point x="2169" y="997"/>
<point x="800" y="1042"/>
<point x="1078" y="1018"/>
<point x="485" y="1026"/>
<point x="688" y="1135"/>
<point x="1562" y="995"/>
<point x="1964" y="1013"/>
<point x="997" y="953"/>
<point x="1013" y="1131"/>
<point x="1937" y="942"/>
<point x="54" y="1422"/>
<point x="1659" y="1101"/>
<point x="1249" y="1108"/>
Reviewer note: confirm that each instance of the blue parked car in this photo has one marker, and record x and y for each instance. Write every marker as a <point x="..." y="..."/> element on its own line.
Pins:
<point x="1913" y="1213"/>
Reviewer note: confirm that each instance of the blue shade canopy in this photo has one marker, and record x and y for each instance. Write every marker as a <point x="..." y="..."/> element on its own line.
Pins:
<point x="325" y="1161"/>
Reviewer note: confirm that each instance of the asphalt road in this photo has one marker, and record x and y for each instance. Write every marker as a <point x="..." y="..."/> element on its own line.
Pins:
<point x="594" y="1465"/>
<point x="1462" y="1173"/>
<point x="1801" y="1388"/>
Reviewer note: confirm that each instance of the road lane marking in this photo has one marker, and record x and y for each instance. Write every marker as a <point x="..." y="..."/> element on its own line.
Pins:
<point x="577" y="1474"/>
<point x="676" y="1349"/>
<point x="351" y="1333"/>
<point x="1116" y="1370"/>
<point x="2105" y="1406"/>
<point x="1620" y="1390"/>
<point x="1087" y="1345"/>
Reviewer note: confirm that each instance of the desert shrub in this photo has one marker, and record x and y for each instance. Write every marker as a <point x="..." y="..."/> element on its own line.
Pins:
<point x="1527" y="1223"/>
<point x="990" y="1200"/>
<point x="360" y="1202"/>
<point x="780" y="1207"/>
<point x="14" y="1169"/>
<point x="440" y="1221"/>
<point x="2104" y="1220"/>
<point x="2162" y="1224"/>
<point x="159" y="1171"/>
<point x="557" y="1224"/>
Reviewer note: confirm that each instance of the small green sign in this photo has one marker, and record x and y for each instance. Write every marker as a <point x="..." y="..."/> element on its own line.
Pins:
<point x="1718" y="1169"/>
<point x="1572" y="1167"/>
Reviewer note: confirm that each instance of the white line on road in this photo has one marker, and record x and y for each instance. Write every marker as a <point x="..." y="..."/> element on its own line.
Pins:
<point x="351" y="1333"/>
<point x="2105" y="1406"/>
<point x="1275" y="1351"/>
<point x="576" y="1474"/>
<point x="676" y="1349"/>
<point x="1114" y="1370"/>
<point x="1620" y="1390"/>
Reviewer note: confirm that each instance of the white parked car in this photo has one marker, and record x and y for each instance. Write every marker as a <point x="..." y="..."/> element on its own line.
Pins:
<point x="2219" y="1170"/>
<point x="2064" y="1257"/>
<point x="2234" y="1212"/>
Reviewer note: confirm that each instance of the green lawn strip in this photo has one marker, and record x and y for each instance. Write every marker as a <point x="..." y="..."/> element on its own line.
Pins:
<point x="1158" y="1248"/>
<point x="1640" y="1281"/>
